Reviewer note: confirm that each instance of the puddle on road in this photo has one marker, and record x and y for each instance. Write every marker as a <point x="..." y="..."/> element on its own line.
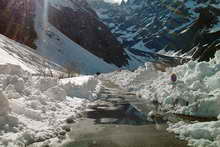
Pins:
<point x="112" y="125"/>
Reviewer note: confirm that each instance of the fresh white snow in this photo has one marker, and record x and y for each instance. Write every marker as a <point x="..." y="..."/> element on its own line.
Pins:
<point x="196" y="93"/>
<point x="34" y="108"/>
<point x="15" y="53"/>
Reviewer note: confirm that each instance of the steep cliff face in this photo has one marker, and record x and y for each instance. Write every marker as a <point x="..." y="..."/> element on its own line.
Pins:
<point x="73" y="18"/>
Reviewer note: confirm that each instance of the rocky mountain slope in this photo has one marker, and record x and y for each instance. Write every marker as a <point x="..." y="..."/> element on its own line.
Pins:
<point x="126" y="35"/>
<point x="191" y="26"/>
<point x="57" y="29"/>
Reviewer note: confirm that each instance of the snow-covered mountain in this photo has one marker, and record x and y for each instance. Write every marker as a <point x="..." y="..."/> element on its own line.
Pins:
<point x="127" y="35"/>
<point x="66" y="32"/>
<point x="146" y="25"/>
<point x="12" y="52"/>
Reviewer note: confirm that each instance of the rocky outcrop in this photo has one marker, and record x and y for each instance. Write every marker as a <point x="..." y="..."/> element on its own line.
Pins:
<point x="203" y="43"/>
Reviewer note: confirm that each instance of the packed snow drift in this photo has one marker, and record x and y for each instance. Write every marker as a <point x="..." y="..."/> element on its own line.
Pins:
<point x="36" y="108"/>
<point x="195" y="93"/>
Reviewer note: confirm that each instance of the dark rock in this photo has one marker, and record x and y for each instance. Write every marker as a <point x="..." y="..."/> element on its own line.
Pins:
<point x="91" y="33"/>
<point x="66" y="128"/>
<point x="17" y="21"/>
<point x="168" y="25"/>
<point x="70" y="120"/>
<point x="62" y="133"/>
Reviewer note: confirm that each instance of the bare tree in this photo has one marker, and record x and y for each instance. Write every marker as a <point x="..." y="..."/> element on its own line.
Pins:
<point x="72" y="69"/>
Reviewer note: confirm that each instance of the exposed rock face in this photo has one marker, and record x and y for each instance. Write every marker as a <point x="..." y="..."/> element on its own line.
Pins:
<point x="182" y="26"/>
<point x="79" y="23"/>
<point x="203" y="43"/>
<point x="84" y="28"/>
<point x="16" y="21"/>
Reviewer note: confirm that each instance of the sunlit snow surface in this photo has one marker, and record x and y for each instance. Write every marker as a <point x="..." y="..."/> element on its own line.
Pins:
<point x="34" y="108"/>
<point x="40" y="105"/>
<point x="196" y="93"/>
<point x="15" y="53"/>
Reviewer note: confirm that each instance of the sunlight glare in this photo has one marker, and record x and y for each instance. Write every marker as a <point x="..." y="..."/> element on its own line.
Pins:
<point x="45" y="15"/>
<point x="45" y="22"/>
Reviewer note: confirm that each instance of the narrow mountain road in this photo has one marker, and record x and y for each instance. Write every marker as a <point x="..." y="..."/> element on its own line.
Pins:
<point x="115" y="120"/>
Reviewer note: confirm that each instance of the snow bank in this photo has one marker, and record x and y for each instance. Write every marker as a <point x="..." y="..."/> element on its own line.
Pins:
<point x="197" y="87"/>
<point x="34" y="108"/>
<point x="206" y="134"/>
<point x="85" y="86"/>
<point x="4" y="105"/>
<point x="196" y="92"/>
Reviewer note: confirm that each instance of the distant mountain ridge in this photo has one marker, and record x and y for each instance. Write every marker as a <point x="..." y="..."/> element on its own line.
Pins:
<point x="164" y="25"/>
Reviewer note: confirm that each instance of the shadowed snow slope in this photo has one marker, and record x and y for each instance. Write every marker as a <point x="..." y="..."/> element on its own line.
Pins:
<point x="15" y="53"/>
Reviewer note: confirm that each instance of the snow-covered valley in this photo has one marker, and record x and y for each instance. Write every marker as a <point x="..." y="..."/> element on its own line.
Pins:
<point x="45" y="93"/>
<point x="36" y="108"/>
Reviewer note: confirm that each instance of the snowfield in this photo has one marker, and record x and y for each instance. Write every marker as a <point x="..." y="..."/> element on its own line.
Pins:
<point x="18" y="54"/>
<point x="195" y="93"/>
<point x="36" y="108"/>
